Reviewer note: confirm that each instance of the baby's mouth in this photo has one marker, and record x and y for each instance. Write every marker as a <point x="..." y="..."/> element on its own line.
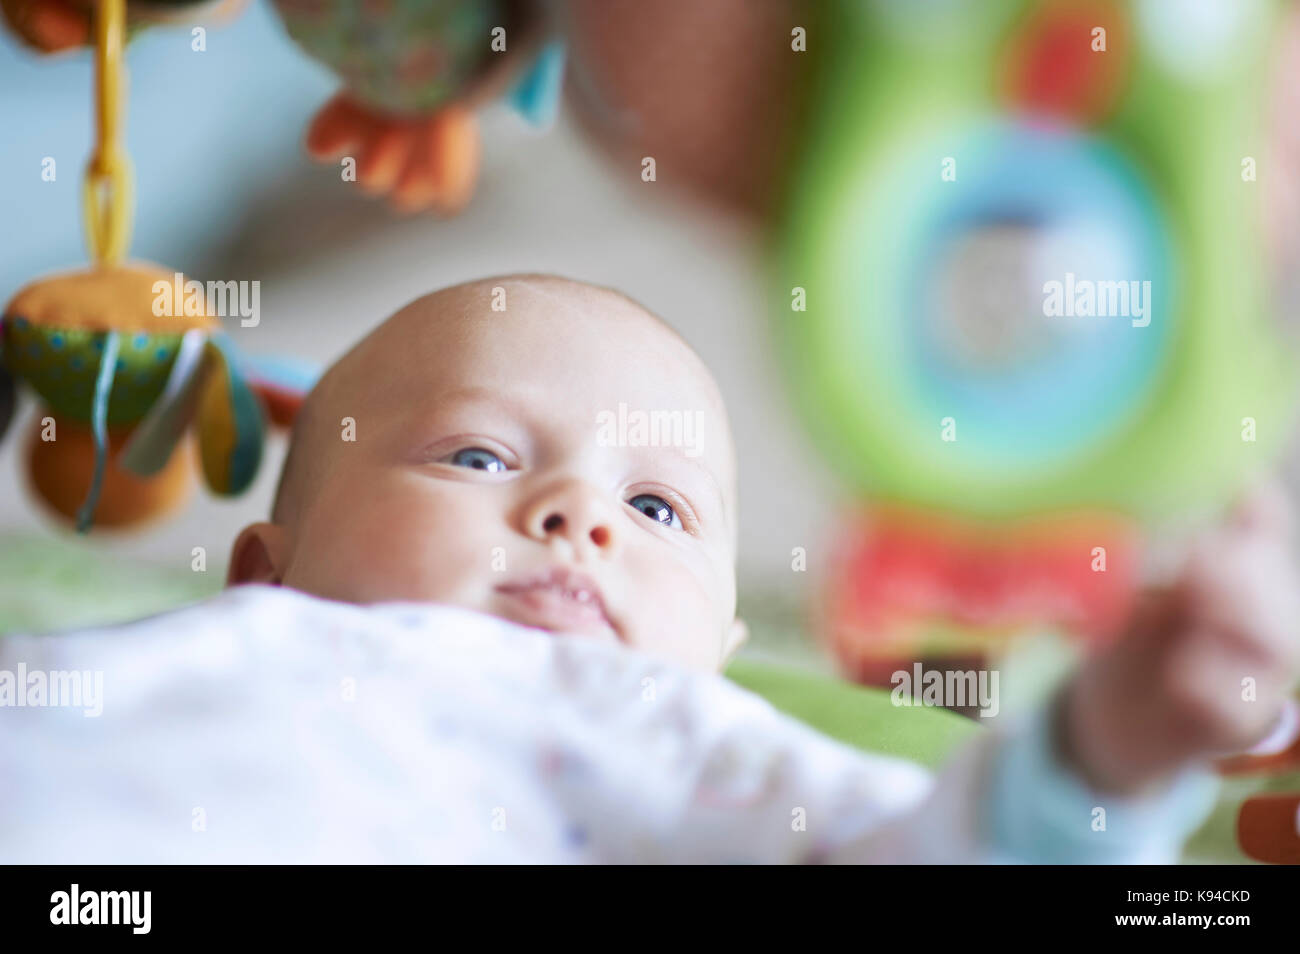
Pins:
<point x="559" y="600"/>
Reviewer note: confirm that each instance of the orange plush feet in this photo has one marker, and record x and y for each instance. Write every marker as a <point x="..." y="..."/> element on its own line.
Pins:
<point x="421" y="162"/>
<point x="55" y="25"/>
<point x="48" y="25"/>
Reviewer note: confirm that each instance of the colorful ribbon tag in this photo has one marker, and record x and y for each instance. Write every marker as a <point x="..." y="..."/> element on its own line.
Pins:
<point x="155" y="438"/>
<point x="230" y="423"/>
<point x="536" y="96"/>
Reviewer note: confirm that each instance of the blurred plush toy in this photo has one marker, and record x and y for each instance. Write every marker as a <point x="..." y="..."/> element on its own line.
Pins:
<point x="971" y="203"/>
<point x="1024" y="292"/>
<point x="712" y="91"/>
<point x="125" y="357"/>
<point x="51" y="26"/>
<point x="412" y="74"/>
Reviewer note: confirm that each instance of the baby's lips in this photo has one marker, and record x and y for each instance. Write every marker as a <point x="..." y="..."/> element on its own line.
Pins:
<point x="1268" y="828"/>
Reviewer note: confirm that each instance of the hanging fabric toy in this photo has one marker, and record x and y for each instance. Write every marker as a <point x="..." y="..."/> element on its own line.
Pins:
<point x="413" y="75"/>
<point x="121" y="378"/>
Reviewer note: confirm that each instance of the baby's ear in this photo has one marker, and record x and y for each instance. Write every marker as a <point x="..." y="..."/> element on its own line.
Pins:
<point x="737" y="633"/>
<point x="259" y="555"/>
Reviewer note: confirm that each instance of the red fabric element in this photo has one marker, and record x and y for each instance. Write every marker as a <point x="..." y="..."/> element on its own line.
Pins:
<point x="281" y="405"/>
<point x="900" y="575"/>
<point x="1267" y="828"/>
<point x="1051" y="68"/>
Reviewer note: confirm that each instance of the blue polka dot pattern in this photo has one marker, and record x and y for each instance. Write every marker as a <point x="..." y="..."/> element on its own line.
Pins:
<point x="61" y="365"/>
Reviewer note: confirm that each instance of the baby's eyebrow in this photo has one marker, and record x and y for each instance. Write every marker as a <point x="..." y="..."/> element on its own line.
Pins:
<point x="702" y="468"/>
<point x="478" y="393"/>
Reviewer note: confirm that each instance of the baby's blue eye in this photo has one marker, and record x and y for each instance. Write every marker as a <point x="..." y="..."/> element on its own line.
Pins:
<point x="657" y="509"/>
<point x="479" y="459"/>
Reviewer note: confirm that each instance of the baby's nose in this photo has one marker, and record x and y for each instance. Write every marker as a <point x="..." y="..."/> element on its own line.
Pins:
<point x="574" y="512"/>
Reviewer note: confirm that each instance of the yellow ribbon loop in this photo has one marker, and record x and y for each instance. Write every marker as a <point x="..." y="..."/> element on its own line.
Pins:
<point x="108" y="190"/>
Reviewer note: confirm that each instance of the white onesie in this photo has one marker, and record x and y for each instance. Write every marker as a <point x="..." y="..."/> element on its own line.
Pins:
<point x="266" y="725"/>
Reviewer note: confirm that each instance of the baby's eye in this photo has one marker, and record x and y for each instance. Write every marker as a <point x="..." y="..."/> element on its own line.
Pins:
<point x="477" y="458"/>
<point x="657" y="509"/>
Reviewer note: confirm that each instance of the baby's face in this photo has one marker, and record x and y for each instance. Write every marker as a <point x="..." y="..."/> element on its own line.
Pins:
<point x="506" y="461"/>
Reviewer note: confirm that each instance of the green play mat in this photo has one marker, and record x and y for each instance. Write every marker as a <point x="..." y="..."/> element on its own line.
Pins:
<point x="856" y="715"/>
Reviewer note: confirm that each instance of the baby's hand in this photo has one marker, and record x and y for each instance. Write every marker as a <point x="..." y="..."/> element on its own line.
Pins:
<point x="1205" y="667"/>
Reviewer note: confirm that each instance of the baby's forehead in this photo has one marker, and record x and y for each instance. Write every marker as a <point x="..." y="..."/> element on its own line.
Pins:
<point x="554" y="305"/>
<point x="563" y="337"/>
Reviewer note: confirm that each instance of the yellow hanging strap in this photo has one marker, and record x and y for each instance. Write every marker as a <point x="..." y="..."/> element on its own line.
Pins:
<point x="108" y="206"/>
<point x="107" y="192"/>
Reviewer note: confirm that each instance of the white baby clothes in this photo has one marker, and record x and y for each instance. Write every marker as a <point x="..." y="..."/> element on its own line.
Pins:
<point x="266" y="725"/>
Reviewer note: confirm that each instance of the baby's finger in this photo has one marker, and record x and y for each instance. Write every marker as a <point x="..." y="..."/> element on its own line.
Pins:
<point x="1219" y="698"/>
<point x="1247" y="591"/>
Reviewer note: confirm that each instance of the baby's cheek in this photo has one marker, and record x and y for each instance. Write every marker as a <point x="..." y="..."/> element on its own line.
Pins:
<point x="679" y="612"/>
<point x="374" y="538"/>
<point x="348" y="551"/>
